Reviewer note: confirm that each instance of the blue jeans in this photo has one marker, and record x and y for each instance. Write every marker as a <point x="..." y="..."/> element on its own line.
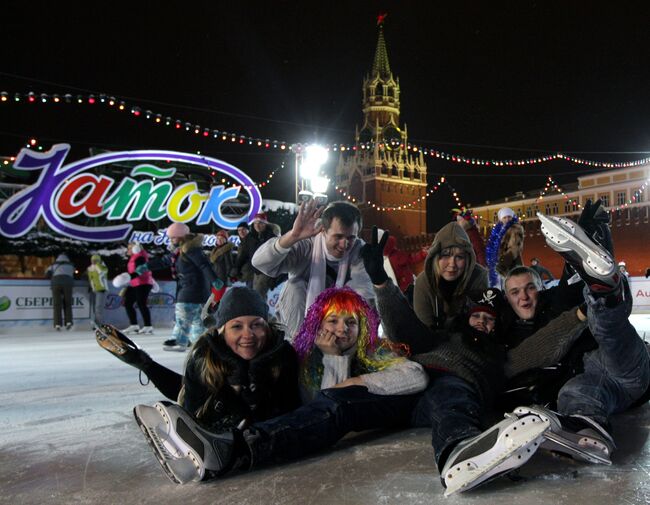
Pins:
<point x="617" y="373"/>
<point x="453" y="409"/>
<point x="450" y="406"/>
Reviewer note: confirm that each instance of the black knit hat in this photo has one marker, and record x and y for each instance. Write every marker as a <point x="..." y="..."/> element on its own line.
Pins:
<point x="243" y="224"/>
<point x="240" y="301"/>
<point x="489" y="300"/>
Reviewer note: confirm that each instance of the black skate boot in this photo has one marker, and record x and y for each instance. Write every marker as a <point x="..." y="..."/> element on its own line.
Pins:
<point x="592" y="262"/>
<point x="185" y="450"/>
<point x="118" y="344"/>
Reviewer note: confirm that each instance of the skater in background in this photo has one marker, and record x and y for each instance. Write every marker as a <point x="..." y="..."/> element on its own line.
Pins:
<point x="245" y="272"/>
<point x="196" y="282"/>
<point x="98" y="284"/>
<point x="466" y="220"/>
<point x="262" y="231"/>
<point x="221" y="257"/>
<point x="504" y="247"/>
<point x="137" y="292"/>
<point x="541" y="270"/>
<point x="399" y="265"/>
<point x="61" y="275"/>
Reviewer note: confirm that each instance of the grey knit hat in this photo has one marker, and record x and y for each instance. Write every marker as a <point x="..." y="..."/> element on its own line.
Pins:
<point x="240" y="301"/>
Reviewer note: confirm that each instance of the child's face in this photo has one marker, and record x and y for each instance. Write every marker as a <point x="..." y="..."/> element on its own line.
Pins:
<point x="482" y="321"/>
<point x="506" y="219"/>
<point x="344" y="326"/>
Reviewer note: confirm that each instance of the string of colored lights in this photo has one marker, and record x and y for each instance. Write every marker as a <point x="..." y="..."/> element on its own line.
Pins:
<point x="195" y="129"/>
<point x="442" y="181"/>
<point x="551" y="184"/>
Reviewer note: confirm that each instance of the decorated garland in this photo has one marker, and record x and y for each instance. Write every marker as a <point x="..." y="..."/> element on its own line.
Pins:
<point x="492" y="249"/>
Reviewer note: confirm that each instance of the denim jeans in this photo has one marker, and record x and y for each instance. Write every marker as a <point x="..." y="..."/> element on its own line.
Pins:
<point x="324" y="421"/>
<point x="453" y="409"/>
<point x="617" y="373"/>
<point x="450" y="405"/>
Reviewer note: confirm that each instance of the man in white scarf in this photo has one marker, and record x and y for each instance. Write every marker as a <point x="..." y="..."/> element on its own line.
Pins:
<point x="320" y="251"/>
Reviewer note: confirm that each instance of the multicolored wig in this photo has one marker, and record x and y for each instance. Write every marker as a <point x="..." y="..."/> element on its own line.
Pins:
<point x="372" y="353"/>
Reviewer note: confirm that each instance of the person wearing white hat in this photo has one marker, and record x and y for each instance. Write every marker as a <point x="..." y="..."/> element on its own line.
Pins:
<point x="505" y="214"/>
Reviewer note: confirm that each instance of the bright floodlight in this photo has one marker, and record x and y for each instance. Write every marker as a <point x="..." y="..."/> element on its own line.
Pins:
<point x="315" y="158"/>
<point x="316" y="154"/>
<point x="319" y="184"/>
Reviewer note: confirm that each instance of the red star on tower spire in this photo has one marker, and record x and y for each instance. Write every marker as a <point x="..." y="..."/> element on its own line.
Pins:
<point x="380" y="19"/>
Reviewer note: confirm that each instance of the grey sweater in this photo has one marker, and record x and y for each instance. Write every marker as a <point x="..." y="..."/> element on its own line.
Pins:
<point x="448" y="351"/>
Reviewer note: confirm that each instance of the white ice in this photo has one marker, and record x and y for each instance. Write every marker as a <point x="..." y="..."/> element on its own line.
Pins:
<point x="68" y="436"/>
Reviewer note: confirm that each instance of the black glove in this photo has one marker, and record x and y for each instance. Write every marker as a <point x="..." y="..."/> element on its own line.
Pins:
<point x="373" y="257"/>
<point x="594" y="220"/>
<point x="647" y="273"/>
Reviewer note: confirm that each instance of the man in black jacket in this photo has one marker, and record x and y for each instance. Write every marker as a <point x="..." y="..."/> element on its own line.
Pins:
<point x="261" y="232"/>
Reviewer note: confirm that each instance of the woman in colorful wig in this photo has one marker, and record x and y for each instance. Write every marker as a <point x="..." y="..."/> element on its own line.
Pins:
<point x="338" y="345"/>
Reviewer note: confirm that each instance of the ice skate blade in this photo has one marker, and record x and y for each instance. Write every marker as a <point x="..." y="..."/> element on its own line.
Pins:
<point x="576" y="449"/>
<point x="517" y="447"/>
<point x="564" y="236"/>
<point x="178" y="462"/>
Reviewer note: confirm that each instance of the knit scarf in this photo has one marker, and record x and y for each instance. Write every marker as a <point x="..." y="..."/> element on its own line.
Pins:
<point x="318" y="266"/>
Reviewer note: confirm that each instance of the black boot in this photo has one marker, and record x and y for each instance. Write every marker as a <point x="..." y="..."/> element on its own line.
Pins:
<point x="119" y="345"/>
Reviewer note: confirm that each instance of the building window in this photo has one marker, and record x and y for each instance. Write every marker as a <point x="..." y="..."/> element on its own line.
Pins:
<point x="495" y="218"/>
<point x="567" y="207"/>
<point x="640" y="197"/>
<point x="605" y="199"/>
<point x="547" y="209"/>
<point x="620" y="197"/>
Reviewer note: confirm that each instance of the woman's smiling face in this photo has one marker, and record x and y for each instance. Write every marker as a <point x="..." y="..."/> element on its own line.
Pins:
<point x="246" y="335"/>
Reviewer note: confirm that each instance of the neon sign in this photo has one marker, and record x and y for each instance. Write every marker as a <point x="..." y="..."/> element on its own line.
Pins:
<point x="63" y="192"/>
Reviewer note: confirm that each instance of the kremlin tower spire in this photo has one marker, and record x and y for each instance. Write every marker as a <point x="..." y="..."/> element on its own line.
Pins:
<point x="382" y="173"/>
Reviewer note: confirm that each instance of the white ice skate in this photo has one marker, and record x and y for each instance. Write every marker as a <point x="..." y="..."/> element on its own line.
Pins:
<point x="496" y="451"/>
<point x="146" y="330"/>
<point x="131" y="329"/>
<point x="593" y="262"/>
<point x="184" y="450"/>
<point x="587" y="441"/>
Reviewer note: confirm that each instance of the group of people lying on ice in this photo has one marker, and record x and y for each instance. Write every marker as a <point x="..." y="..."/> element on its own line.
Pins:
<point x="559" y="362"/>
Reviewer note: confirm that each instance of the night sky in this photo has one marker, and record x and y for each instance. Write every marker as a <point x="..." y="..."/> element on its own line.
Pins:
<point x="490" y="81"/>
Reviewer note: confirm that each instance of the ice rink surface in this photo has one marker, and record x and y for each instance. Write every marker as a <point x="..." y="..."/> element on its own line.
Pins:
<point x="68" y="437"/>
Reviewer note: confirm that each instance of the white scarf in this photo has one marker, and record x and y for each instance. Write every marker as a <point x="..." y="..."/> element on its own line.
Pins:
<point x="317" y="273"/>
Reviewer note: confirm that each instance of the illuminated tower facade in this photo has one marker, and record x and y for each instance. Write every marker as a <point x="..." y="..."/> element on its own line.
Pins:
<point x="381" y="175"/>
